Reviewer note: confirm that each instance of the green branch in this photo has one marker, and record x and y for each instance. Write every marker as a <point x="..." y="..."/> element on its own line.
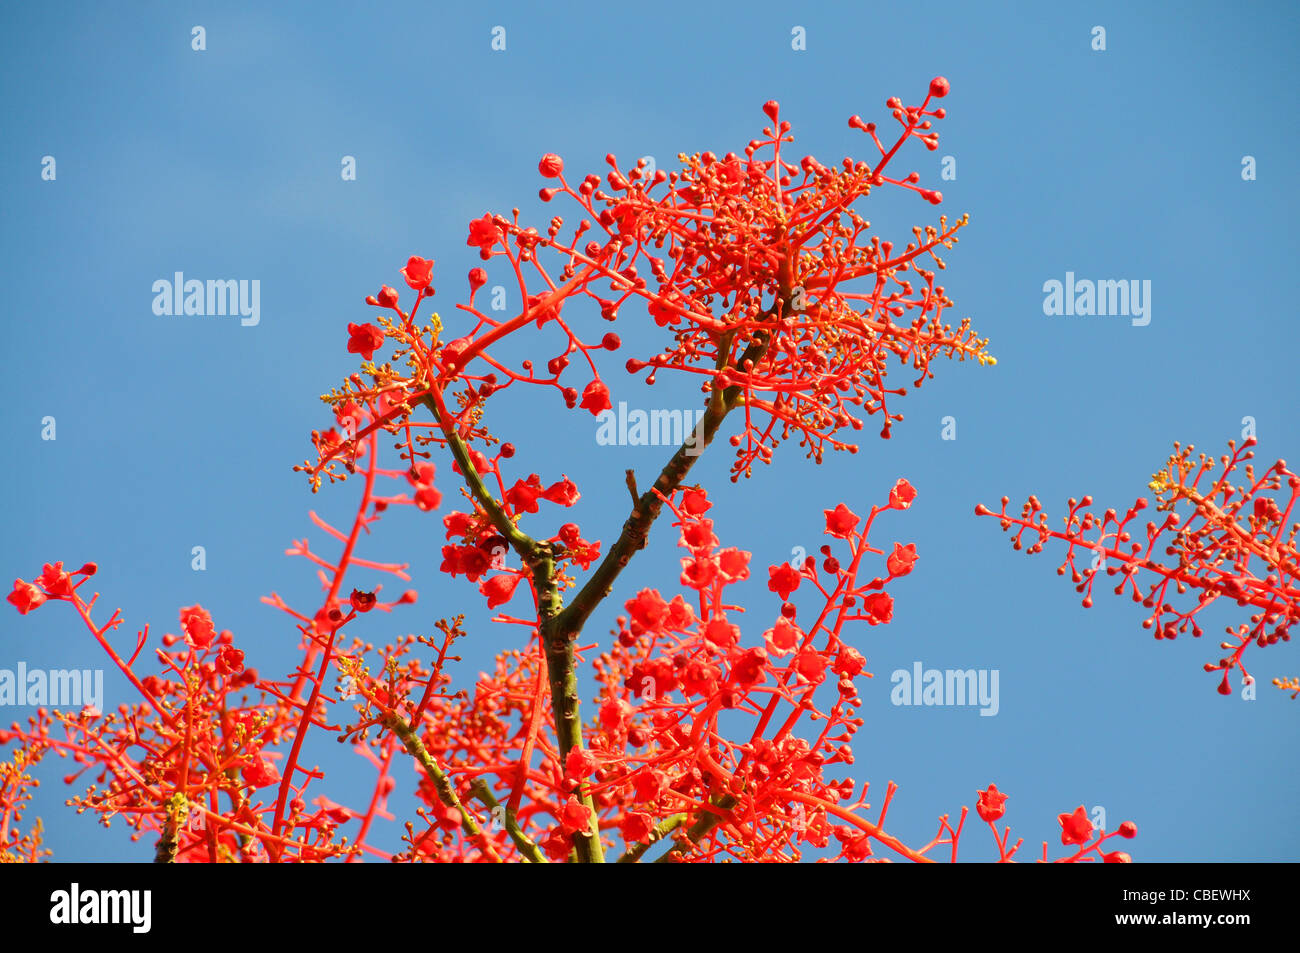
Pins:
<point x="532" y="854"/>
<point x="706" y="822"/>
<point x="539" y="557"/>
<point x="661" y="830"/>
<point x="523" y="543"/>
<point x="446" y="793"/>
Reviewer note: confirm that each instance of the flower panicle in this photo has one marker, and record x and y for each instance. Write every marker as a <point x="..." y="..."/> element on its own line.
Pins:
<point x="1213" y="538"/>
<point x="773" y="291"/>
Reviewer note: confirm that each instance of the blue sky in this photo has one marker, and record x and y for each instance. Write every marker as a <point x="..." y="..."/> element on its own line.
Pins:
<point x="1126" y="163"/>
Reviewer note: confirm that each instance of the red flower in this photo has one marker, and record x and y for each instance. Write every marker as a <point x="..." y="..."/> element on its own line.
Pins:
<point x="549" y="313"/>
<point x="387" y="297"/>
<point x="364" y="339"/>
<point x="810" y="665"/>
<point x="452" y="350"/>
<point x="557" y="845"/>
<point x="698" y="573"/>
<point x="901" y="560"/>
<point x="650" y="681"/>
<point x="695" y="502"/>
<point x="565" y="493"/>
<point x="483" y="233"/>
<point x="522" y="497"/>
<point x="783" y="580"/>
<point x="849" y="662"/>
<point x="458" y="524"/>
<point x="363" y="601"/>
<point x="260" y="773"/>
<point x="783" y="637"/>
<point x="879" y="606"/>
<point x="230" y="660"/>
<point x="902" y="495"/>
<point x="840" y="521"/>
<point x="470" y="560"/>
<point x="1075" y="827"/>
<point x="500" y="589"/>
<point x="648" y="609"/>
<point x="427" y="496"/>
<point x="444" y="815"/>
<point x="699" y="678"/>
<point x="25" y="596"/>
<point x="855" y="844"/>
<point x="596" y="397"/>
<point x="580" y="763"/>
<point x="349" y="413"/>
<point x="734" y="563"/>
<point x="699" y="535"/>
<point x="55" y="581"/>
<point x="649" y="784"/>
<point x="992" y="804"/>
<point x="613" y="714"/>
<point x="628" y="217"/>
<point x="418" y="272"/>
<point x="1116" y="857"/>
<point x="421" y="474"/>
<point x="576" y="817"/>
<point x="747" y="668"/>
<point x="680" y="613"/>
<point x="479" y="461"/>
<point x="720" y="635"/>
<point x="636" y="827"/>
<point x="197" y="626"/>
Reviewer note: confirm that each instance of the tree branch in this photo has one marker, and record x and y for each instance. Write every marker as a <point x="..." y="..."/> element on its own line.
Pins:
<point x="523" y="543"/>
<point x="703" y="824"/>
<point x="559" y="626"/>
<point x="661" y="830"/>
<point x="532" y="854"/>
<point x="646" y="510"/>
<point x="446" y="793"/>
<point x="539" y="557"/>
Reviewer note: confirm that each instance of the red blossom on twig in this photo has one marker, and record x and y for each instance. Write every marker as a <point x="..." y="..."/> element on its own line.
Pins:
<point x="1214" y="540"/>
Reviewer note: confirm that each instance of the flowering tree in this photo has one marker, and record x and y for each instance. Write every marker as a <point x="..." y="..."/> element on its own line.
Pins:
<point x="775" y="297"/>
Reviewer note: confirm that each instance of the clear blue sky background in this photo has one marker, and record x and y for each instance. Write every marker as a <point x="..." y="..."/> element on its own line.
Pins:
<point x="175" y="432"/>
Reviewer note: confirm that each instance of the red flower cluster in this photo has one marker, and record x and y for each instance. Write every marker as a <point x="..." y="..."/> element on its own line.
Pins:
<point x="52" y="583"/>
<point x="774" y="292"/>
<point x="1233" y="543"/>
